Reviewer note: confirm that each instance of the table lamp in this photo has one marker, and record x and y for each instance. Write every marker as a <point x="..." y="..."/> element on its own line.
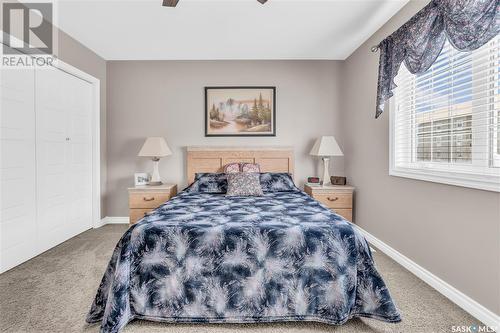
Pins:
<point x="156" y="148"/>
<point x="325" y="147"/>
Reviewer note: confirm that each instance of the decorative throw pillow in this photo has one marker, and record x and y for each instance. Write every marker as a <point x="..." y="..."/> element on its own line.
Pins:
<point x="243" y="184"/>
<point x="232" y="168"/>
<point x="277" y="182"/>
<point x="250" y="167"/>
<point x="209" y="183"/>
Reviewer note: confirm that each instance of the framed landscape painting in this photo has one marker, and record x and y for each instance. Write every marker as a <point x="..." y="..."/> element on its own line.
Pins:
<point x="240" y="111"/>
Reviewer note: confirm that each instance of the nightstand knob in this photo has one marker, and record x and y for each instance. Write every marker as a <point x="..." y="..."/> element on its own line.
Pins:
<point x="148" y="199"/>
<point x="333" y="199"/>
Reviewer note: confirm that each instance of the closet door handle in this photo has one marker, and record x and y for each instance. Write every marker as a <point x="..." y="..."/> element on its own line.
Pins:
<point x="148" y="199"/>
<point x="333" y="199"/>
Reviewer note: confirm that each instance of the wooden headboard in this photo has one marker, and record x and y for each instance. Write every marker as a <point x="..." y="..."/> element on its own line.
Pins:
<point x="213" y="159"/>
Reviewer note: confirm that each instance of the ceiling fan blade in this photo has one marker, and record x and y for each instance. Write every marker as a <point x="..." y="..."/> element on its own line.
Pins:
<point x="173" y="3"/>
<point x="170" y="3"/>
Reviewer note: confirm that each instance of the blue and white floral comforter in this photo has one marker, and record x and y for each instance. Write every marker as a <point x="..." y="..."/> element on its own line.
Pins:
<point x="204" y="257"/>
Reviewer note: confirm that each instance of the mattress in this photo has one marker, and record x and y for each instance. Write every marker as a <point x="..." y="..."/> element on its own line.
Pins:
<point x="208" y="258"/>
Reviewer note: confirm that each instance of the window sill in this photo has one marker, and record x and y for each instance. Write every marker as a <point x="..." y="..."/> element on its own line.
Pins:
<point x="481" y="182"/>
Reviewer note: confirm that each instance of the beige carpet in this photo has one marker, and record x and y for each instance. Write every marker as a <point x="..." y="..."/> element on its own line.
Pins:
<point x="53" y="292"/>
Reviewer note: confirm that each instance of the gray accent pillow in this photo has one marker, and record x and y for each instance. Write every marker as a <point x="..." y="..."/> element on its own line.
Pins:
<point x="243" y="184"/>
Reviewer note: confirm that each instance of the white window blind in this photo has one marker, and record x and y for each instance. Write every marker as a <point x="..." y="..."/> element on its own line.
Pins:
<point x="445" y="123"/>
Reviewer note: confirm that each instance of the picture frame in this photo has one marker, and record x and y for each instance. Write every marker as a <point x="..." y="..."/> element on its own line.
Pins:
<point x="240" y="111"/>
<point x="141" y="178"/>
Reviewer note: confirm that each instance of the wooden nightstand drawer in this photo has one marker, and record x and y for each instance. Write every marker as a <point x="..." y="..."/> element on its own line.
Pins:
<point x="345" y="213"/>
<point x="144" y="199"/>
<point x="138" y="213"/>
<point x="334" y="200"/>
<point x="339" y="198"/>
<point x="147" y="199"/>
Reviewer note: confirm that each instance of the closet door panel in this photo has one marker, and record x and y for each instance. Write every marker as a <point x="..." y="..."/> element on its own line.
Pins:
<point x="52" y="113"/>
<point x="17" y="167"/>
<point x="80" y="156"/>
<point x="64" y="156"/>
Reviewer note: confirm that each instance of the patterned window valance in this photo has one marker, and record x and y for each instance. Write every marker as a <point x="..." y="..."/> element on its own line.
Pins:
<point x="467" y="24"/>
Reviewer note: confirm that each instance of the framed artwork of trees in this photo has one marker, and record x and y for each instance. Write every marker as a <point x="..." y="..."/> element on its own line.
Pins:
<point x="240" y="111"/>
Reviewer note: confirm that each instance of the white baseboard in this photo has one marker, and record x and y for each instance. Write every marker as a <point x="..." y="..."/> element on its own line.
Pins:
<point x="486" y="316"/>
<point x="99" y="223"/>
<point x="115" y="220"/>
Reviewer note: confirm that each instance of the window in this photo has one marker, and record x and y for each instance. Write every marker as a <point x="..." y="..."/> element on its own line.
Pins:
<point x="445" y="123"/>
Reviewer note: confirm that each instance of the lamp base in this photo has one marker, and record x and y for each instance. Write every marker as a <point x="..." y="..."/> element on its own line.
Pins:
<point x="326" y="173"/>
<point x="155" y="179"/>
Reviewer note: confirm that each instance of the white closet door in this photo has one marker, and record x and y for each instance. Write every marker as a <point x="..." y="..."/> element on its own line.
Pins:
<point x="64" y="156"/>
<point x="17" y="167"/>
<point x="79" y="158"/>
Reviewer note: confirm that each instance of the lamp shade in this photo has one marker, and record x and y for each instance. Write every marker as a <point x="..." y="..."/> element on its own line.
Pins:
<point x="155" y="147"/>
<point x="326" y="146"/>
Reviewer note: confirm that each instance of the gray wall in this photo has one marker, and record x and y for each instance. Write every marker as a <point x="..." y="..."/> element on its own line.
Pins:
<point x="451" y="231"/>
<point x="166" y="98"/>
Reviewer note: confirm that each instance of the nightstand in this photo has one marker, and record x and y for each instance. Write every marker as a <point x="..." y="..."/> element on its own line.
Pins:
<point x="336" y="197"/>
<point x="144" y="199"/>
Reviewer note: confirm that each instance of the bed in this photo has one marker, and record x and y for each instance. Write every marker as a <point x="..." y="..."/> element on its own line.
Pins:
<point x="208" y="258"/>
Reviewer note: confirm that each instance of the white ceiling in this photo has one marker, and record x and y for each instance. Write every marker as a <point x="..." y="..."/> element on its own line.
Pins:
<point x="224" y="29"/>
